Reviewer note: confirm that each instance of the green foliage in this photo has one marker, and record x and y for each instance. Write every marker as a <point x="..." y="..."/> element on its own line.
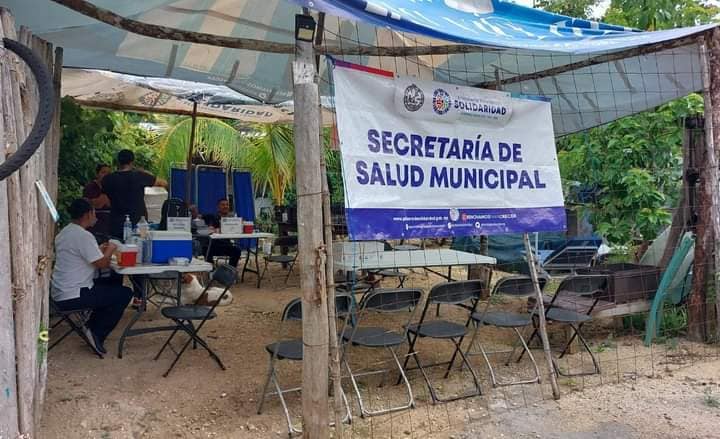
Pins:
<point x="571" y="8"/>
<point x="660" y="14"/>
<point x="216" y="141"/>
<point x="90" y="137"/>
<point x="270" y="155"/>
<point x="633" y="166"/>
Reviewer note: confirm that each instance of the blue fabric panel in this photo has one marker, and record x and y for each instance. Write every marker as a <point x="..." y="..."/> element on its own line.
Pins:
<point x="177" y="184"/>
<point x="244" y="202"/>
<point x="212" y="186"/>
<point x="244" y="197"/>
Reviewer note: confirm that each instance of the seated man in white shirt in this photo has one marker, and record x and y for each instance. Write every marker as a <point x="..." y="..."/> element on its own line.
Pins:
<point x="73" y="286"/>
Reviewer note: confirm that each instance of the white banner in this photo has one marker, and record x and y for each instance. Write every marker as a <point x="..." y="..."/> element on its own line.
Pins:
<point x="424" y="159"/>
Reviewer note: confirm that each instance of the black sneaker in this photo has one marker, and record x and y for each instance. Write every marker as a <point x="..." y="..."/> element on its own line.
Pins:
<point x="94" y="341"/>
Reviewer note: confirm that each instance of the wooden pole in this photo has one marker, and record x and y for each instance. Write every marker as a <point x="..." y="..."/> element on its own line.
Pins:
<point x="21" y="233"/>
<point x="189" y="162"/>
<point x="310" y="239"/>
<point x="541" y="315"/>
<point x="8" y="381"/>
<point x="707" y="218"/>
<point x="710" y="51"/>
<point x="335" y="373"/>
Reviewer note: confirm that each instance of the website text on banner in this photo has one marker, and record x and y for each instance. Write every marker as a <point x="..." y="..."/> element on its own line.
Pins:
<point x="427" y="159"/>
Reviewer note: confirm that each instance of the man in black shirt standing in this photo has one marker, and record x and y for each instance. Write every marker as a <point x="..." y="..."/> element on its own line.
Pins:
<point x="126" y="190"/>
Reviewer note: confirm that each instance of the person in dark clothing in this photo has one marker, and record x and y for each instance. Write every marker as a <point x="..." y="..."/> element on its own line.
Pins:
<point x="74" y="284"/>
<point x="126" y="190"/>
<point x="222" y="247"/>
<point x="93" y="192"/>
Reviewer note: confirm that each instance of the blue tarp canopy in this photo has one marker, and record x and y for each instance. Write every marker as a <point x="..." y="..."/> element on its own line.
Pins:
<point x="512" y="41"/>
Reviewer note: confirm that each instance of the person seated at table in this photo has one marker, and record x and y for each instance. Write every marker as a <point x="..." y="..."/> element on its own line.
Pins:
<point x="221" y="247"/>
<point x="73" y="284"/>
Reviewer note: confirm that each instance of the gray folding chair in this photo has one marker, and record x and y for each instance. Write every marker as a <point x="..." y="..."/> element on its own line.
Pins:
<point x="292" y="350"/>
<point x="518" y="287"/>
<point x="383" y="301"/>
<point x="284" y="242"/>
<point x="574" y="316"/>
<point x="75" y="319"/>
<point x="464" y="294"/>
<point x="185" y="315"/>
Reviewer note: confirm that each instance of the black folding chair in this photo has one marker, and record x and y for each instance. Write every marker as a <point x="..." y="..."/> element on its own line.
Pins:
<point x="75" y="319"/>
<point x="381" y="301"/>
<point x="284" y="242"/>
<point x="464" y="294"/>
<point x="162" y="287"/>
<point x="518" y="287"/>
<point x="292" y="350"/>
<point x="185" y="315"/>
<point x="573" y="316"/>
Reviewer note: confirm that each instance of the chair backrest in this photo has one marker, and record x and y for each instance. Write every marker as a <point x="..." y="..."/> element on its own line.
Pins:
<point x="517" y="286"/>
<point x="225" y="275"/>
<point x="173" y="207"/>
<point x="583" y="284"/>
<point x="455" y="293"/>
<point x="293" y="309"/>
<point x="391" y="300"/>
<point x="286" y="241"/>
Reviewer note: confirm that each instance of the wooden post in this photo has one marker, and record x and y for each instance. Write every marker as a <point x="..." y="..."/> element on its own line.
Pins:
<point x="310" y="248"/>
<point x="710" y="52"/>
<point x="8" y="381"/>
<point x="708" y="227"/>
<point x="332" y="317"/>
<point x="20" y="236"/>
<point x="335" y="373"/>
<point x="191" y="152"/>
<point x="541" y="315"/>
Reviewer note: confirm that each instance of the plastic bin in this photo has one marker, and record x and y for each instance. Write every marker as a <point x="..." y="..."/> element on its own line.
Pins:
<point x="628" y="282"/>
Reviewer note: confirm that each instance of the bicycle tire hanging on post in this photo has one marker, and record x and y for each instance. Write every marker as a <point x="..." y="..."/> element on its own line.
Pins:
<point x="46" y="108"/>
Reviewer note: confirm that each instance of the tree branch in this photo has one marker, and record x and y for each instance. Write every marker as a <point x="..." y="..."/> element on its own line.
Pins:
<point x="169" y="33"/>
<point x="600" y="59"/>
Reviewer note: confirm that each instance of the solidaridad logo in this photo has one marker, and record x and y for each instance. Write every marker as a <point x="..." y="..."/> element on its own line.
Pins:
<point x="441" y="101"/>
<point x="413" y="98"/>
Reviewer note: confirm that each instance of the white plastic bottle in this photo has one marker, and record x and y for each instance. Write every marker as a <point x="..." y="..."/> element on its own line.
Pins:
<point x="127" y="229"/>
<point x="143" y="228"/>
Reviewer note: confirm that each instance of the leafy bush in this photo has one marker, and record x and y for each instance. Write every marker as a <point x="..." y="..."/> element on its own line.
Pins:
<point x="633" y="168"/>
<point x="90" y="137"/>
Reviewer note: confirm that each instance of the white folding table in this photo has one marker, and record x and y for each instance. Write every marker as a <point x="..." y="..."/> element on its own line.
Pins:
<point x="380" y="260"/>
<point x="233" y="236"/>
<point x="142" y="271"/>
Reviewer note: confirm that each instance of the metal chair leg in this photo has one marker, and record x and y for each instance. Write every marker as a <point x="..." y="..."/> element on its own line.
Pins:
<point x="287" y="276"/>
<point x="271" y="369"/>
<point x="596" y="365"/>
<point x="262" y="276"/>
<point x="167" y="342"/>
<point x="431" y="388"/>
<point x="498" y="383"/>
<point x="365" y="412"/>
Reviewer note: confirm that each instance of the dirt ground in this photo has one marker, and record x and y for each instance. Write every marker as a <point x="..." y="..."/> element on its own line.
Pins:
<point x="664" y="391"/>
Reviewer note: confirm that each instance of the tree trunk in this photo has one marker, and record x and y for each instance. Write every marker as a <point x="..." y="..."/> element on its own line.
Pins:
<point x="712" y="142"/>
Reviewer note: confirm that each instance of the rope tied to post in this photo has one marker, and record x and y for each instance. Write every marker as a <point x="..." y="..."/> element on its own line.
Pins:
<point x="320" y="257"/>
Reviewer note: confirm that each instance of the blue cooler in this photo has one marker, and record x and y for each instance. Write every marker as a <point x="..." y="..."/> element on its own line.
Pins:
<point x="165" y="245"/>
